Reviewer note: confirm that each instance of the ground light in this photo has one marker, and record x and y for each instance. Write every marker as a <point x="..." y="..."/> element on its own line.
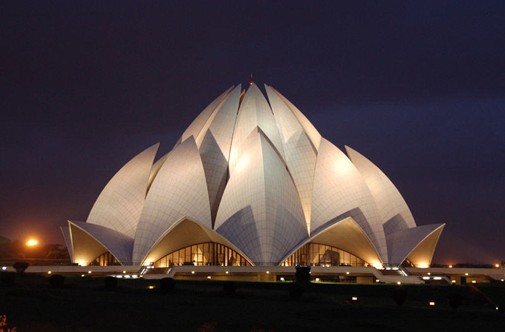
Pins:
<point x="431" y="303"/>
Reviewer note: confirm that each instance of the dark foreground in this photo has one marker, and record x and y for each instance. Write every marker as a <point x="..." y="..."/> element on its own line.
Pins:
<point x="86" y="304"/>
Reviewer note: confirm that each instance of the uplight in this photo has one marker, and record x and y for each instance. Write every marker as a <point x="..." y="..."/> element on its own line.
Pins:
<point x="4" y="268"/>
<point x="377" y="265"/>
<point x="49" y="272"/>
<point x="89" y="272"/>
<point x="209" y="277"/>
<point x="398" y="282"/>
<point x="192" y="272"/>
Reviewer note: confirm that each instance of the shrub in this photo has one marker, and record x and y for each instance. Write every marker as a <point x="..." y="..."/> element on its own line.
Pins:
<point x="110" y="283"/>
<point x="167" y="285"/>
<point x="455" y="300"/>
<point x="399" y="295"/>
<point x="3" y="325"/>
<point x="229" y="288"/>
<point x="302" y="275"/>
<point x="20" y="266"/>
<point x="56" y="281"/>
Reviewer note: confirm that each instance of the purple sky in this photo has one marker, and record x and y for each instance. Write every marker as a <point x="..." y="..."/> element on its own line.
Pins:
<point x="417" y="87"/>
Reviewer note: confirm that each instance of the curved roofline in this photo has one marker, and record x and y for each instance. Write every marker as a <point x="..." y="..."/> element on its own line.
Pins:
<point x="438" y="229"/>
<point x="313" y="239"/>
<point x="72" y="223"/>
<point x="204" y="229"/>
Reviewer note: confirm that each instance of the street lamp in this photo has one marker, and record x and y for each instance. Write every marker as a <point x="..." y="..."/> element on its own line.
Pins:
<point x="32" y="243"/>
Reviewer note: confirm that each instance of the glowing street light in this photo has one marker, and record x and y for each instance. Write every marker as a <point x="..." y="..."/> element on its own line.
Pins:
<point x="32" y="243"/>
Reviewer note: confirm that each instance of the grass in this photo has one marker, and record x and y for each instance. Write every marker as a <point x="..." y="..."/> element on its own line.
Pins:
<point x="84" y="304"/>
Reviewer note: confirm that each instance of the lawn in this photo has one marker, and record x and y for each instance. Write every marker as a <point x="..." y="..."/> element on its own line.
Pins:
<point x="85" y="304"/>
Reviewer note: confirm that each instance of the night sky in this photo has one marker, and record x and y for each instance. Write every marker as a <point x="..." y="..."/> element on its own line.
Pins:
<point x="417" y="87"/>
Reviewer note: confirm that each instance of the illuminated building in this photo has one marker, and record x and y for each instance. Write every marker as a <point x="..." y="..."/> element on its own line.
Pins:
<point x="251" y="182"/>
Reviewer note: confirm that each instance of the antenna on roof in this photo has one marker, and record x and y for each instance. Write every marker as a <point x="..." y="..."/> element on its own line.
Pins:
<point x="251" y="82"/>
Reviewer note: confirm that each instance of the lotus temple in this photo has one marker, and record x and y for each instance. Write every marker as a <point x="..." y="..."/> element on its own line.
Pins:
<point x="251" y="186"/>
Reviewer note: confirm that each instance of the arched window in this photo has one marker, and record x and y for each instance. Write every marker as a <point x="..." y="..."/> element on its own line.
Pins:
<point x="201" y="254"/>
<point x="316" y="254"/>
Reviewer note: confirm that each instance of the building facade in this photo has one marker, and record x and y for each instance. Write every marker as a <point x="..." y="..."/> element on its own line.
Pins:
<point x="251" y="182"/>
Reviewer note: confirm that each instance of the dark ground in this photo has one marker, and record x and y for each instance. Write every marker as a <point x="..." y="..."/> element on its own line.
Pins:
<point x="84" y="304"/>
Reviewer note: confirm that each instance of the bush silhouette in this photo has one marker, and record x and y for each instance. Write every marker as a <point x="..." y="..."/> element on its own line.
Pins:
<point x="110" y="283"/>
<point x="56" y="281"/>
<point x="167" y="285"/>
<point x="399" y="295"/>
<point x="302" y="275"/>
<point x="455" y="300"/>
<point x="20" y="266"/>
